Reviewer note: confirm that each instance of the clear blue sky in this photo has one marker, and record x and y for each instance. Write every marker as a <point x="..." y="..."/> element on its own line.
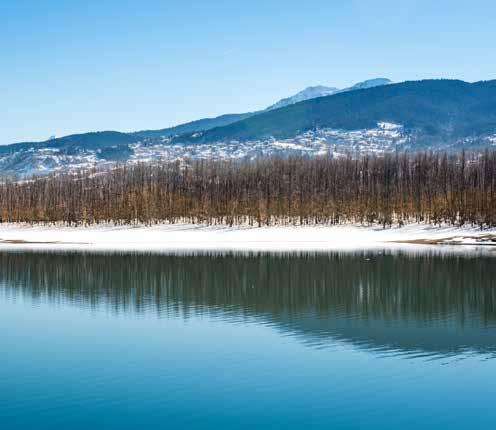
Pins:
<point x="76" y="66"/>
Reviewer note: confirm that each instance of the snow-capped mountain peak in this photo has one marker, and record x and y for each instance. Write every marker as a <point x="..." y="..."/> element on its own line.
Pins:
<point x="322" y="91"/>
<point x="306" y="94"/>
<point x="369" y="83"/>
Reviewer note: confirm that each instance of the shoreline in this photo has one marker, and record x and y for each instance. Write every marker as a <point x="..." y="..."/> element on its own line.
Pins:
<point x="190" y="237"/>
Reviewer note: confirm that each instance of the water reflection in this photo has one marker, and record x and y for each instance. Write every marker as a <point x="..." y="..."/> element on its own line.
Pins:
<point x="430" y="304"/>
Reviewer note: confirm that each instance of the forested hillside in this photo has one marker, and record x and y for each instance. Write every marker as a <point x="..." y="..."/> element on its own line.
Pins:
<point x="438" y="115"/>
<point x="74" y="144"/>
<point x="433" y="110"/>
<point x="194" y="126"/>
<point x="386" y="189"/>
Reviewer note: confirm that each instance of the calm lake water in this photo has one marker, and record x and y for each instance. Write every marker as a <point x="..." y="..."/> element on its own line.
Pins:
<point x="341" y="341"/>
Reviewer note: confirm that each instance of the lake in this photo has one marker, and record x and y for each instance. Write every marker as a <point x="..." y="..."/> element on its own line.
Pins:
<point x="335" y="340"/>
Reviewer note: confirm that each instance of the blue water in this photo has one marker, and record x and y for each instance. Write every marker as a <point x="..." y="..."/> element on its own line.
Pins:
<point x="342" y="341"/>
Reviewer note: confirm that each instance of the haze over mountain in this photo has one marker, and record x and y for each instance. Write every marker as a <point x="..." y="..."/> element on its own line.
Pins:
<point x="372" y="116"/>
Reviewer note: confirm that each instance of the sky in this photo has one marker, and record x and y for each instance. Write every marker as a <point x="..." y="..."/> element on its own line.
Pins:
<point x="83" y="65"/>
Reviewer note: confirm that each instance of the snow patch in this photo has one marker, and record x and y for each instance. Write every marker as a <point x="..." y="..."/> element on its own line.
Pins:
<point x="190" y="237"/>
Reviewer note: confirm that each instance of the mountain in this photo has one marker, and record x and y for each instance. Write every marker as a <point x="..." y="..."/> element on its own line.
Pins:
<point x="370" y="83"/>
<point x="87" y="149"/>
<point x="208" y="123"/>
<point x="77" y="151"/>
<point x="74" y="143"/>
<point x="194" y="126"/>
<point x="373" y="116"/>
<point x="220" y="121"/>
<point x="434" y="111"/>
<point x="321" y="91"/>
<point x="306" y="94"/>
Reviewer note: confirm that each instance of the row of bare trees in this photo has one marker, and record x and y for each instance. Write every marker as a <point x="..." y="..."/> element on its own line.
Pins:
<point x="384" y="189"/>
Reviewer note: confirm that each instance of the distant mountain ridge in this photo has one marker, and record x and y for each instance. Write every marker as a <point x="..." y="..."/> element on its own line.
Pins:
<point x="432" y="109"/>
<point x="370" y="83"/>
<point x="194" y="126"/>
<point x="115" y="137"/>
<point x="209" y="123"/>
<point x="322" y="91"/>
<point x="306" y="94"/>
<point x="372" y="116"/>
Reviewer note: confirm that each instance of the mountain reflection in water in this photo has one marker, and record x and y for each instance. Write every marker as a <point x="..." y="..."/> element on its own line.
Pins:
<point x="405" y="304"/>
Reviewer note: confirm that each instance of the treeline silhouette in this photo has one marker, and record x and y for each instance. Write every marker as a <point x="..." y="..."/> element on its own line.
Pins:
<point x="383" y="189"/>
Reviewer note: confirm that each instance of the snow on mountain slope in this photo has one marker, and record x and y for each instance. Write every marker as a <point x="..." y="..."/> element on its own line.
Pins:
<point x="306" y="94"/>
<point x="32" y="160"/>
<point x="370" y="83"/>
<point x="385" y="137"/>
<point x="417" y="115"/>
<point x="322" y="91"/>
<point x="75" y="154"/>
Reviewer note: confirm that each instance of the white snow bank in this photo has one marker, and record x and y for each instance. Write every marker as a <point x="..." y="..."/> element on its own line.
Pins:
<point x="188" y="237"/>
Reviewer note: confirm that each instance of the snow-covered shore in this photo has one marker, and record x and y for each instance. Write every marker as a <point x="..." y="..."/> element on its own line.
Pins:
<point x="188" y="237"/>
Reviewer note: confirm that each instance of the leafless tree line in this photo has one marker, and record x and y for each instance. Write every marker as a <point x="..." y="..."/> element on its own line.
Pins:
<point x="370" y="189"/>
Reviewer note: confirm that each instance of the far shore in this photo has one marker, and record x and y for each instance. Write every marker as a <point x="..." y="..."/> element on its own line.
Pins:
<point x="191" y="237"/>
